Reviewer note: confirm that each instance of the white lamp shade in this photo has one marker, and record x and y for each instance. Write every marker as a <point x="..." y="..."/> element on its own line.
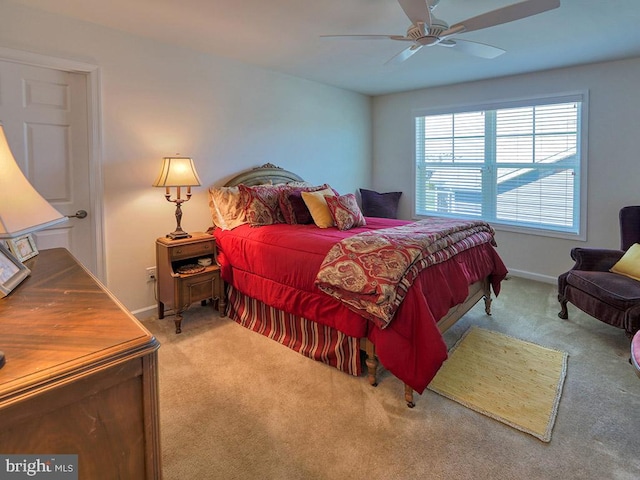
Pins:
<point x="177" y="172"/>
<point x="22" y="209"/>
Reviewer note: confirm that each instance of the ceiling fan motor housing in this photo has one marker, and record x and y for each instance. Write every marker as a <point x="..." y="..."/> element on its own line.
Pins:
<point x="427" y="35"/>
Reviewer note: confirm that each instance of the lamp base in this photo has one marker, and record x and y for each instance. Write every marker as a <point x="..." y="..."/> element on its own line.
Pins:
<point x="178" y="234"/>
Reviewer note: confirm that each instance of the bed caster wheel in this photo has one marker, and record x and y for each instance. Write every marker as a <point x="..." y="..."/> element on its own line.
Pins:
<point x="411" y="404"/>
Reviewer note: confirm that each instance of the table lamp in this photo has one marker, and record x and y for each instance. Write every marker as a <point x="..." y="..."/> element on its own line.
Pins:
<point x="177" y="172"/>
<point x="22" y="210"/>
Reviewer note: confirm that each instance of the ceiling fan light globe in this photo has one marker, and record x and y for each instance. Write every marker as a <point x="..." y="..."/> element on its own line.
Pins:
<point x="428" y="40"/>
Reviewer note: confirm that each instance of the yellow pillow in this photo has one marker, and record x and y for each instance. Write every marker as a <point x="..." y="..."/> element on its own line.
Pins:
<point x="629" y="264"/>
<point x="318" y="207"/>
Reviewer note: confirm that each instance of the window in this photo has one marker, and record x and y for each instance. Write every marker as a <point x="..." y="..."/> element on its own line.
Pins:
<point x="516" y="165"/>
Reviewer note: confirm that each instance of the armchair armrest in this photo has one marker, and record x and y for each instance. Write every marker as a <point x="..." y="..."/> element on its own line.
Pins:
<point x="595" y="259"/>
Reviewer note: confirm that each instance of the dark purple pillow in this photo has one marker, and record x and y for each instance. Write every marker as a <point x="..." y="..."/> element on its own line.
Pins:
<point x="287" y="208"/>
<point x="299" y="209"/>
<point x="381" y="205"/>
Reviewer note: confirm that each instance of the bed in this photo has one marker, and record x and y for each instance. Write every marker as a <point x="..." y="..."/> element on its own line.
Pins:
<point x="278" y="278"/>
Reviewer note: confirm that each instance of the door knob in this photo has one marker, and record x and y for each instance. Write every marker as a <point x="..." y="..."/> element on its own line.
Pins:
<point x="79" y="214"/>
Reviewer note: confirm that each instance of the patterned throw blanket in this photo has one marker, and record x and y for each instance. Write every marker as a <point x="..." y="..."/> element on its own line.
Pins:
<point x="371" y="272"/>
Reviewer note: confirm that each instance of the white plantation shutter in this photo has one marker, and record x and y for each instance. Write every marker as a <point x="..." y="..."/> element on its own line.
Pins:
<point x="518" y="165"/>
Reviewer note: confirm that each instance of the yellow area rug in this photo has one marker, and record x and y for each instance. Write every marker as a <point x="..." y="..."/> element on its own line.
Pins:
<point x="516" y="382"/>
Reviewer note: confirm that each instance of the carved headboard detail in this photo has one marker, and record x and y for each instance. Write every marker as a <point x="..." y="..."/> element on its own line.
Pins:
<point x="267" y="173"/>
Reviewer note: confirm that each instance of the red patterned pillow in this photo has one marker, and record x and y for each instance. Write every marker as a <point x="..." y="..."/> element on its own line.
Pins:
<point x="345" y="211"/>
<point x="261" y="204"/>
<point x="293" y="208"/>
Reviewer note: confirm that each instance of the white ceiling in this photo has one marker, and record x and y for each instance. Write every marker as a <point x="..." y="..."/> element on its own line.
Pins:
<point x="284" y="35"/>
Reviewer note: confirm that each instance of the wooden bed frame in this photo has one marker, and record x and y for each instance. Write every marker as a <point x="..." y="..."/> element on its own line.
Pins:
<point x="477" y="291"/>
<point x="269" y="173"/>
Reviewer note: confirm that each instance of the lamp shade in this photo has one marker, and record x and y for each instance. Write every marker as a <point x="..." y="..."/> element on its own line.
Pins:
<point x="22" y="209"/>
<point x="177" y="172"/>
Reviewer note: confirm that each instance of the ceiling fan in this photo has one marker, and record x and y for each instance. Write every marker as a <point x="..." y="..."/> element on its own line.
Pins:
<point x="426" y="30"/>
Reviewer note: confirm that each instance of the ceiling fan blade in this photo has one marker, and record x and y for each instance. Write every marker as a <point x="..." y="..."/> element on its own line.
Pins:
<point x="417" y="11"/>
<point x="370" y="37"/>
<point x="506" y="14"/>
<point x="473" y="48"/>
<point x="403" y="55"/>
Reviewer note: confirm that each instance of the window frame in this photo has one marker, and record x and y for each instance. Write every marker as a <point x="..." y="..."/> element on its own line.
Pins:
<point x="564" y="97"/>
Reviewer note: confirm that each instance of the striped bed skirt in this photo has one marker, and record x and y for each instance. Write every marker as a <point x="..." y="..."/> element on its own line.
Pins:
<point x="311" y="339"/>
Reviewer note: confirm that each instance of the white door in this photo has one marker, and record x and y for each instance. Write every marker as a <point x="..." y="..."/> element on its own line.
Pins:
<point x="44" y="115"/>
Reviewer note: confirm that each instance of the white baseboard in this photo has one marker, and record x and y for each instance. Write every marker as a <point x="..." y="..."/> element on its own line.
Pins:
<point x="144" y="312"/>
<point x="533" y="276"/>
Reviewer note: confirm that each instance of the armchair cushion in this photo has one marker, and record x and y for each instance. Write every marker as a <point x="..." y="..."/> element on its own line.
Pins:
<point x="629" y="264"/>
<point x="611" y="289"/>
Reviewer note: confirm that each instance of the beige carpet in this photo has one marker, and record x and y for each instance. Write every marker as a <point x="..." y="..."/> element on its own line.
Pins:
<point x="516" y="382"/>
<point x="235" y="405"/>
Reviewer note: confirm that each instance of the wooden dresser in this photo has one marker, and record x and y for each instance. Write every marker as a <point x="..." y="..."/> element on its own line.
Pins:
<point x="80" y="375"/>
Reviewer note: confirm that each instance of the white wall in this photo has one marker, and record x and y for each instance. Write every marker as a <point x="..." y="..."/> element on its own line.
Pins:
<point x="613" y="151"/>
<point x="158" y="100"/>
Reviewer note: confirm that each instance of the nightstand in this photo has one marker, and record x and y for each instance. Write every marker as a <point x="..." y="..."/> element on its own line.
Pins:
<point x="178" y="289"/>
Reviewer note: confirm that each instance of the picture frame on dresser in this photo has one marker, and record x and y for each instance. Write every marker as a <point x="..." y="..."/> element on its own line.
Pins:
<point x="23" y="248"/>
<point x="12" y="271"/>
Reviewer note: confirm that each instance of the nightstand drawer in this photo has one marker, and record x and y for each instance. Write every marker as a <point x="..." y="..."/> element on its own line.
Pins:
<point x="192" y="250"/>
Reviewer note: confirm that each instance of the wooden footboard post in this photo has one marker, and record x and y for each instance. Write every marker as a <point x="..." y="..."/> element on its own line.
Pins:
<point x="372" y="362"/>
<point x="487" y="296"/>
<point x="408" y="396"/>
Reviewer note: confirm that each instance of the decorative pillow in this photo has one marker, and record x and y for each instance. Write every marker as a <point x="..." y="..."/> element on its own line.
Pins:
<point x="227" y="207"/>
<point x="345" y="211"/>
<point x="317" y="205"/>
<point x="382" y="205"/>
<point x="629" y="264"/>
<point x="292" y="205"/>
<point x="298" y="211"/>
<point x="261" y="204"/>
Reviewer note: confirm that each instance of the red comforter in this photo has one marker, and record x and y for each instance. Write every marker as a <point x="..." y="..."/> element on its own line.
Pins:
<point x="278" y="264"/>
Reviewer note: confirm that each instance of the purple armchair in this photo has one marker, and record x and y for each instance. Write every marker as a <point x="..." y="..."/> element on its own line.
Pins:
<point x="590" y="286"/>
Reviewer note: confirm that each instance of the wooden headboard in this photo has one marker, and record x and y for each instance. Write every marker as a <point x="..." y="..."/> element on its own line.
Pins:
<point x="267" y="173"/>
